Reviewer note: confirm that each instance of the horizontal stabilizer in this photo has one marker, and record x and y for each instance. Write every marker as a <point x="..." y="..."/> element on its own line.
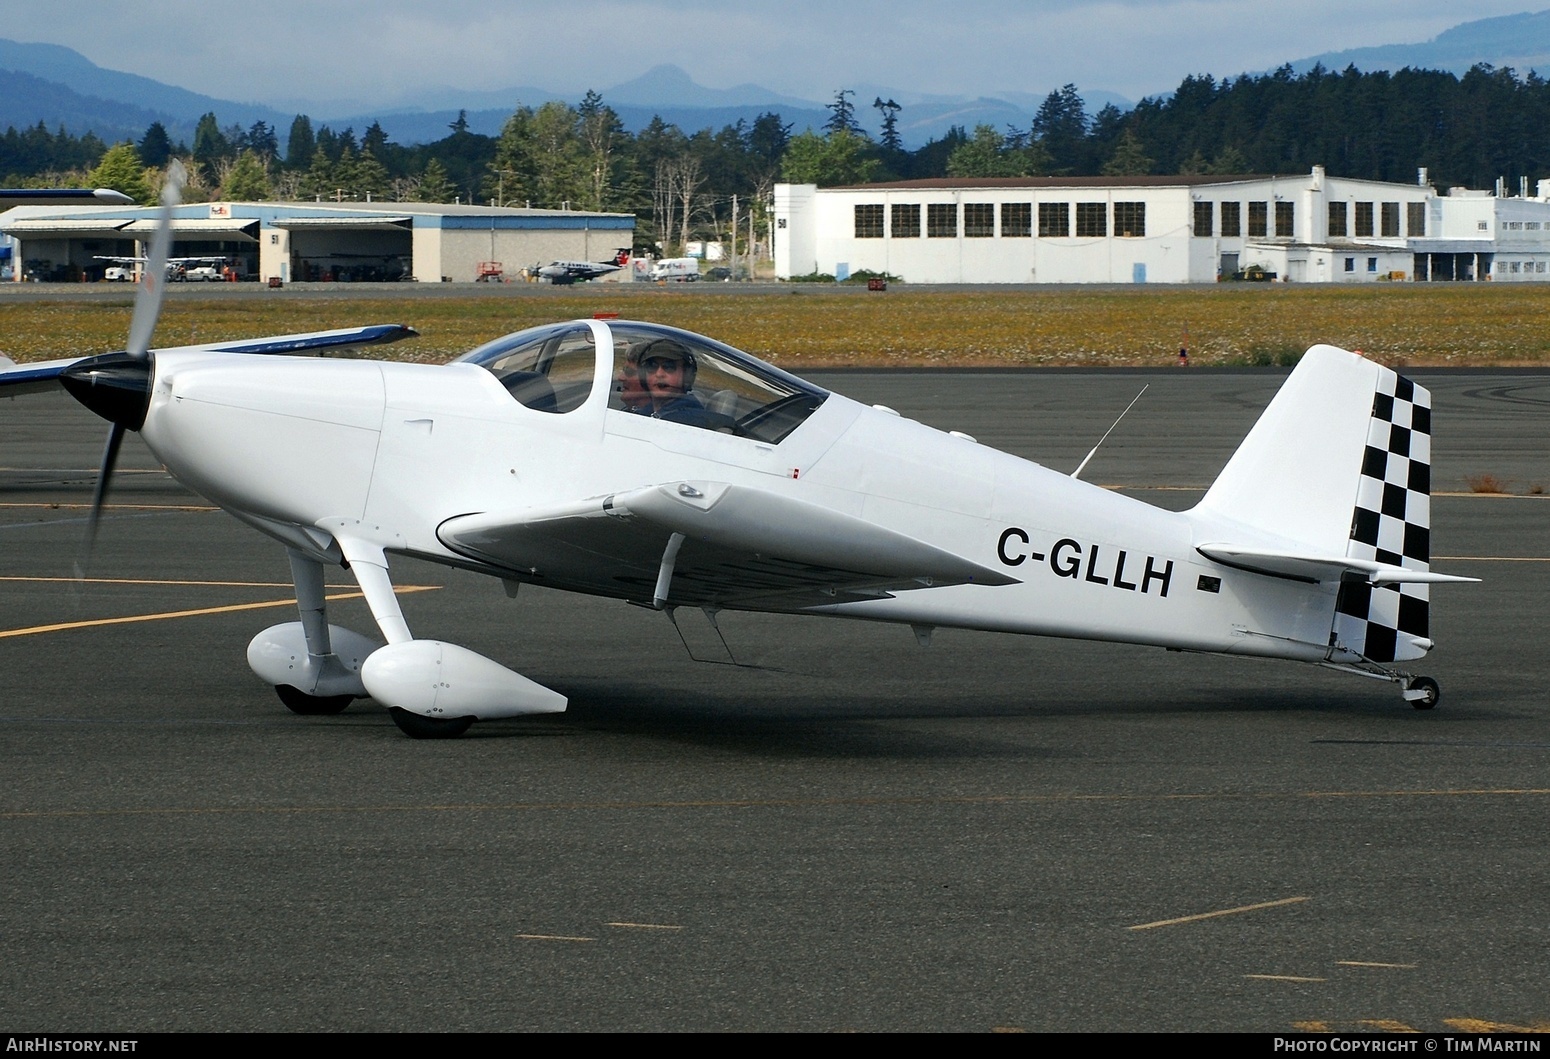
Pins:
<point x="1312" y="568"/>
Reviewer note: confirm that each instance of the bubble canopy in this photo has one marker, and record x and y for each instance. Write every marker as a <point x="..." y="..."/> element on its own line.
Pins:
<point x="676" y="376"/>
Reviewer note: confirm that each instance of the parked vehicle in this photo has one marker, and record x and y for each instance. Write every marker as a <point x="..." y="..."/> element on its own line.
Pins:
<point x="677" y="269"/>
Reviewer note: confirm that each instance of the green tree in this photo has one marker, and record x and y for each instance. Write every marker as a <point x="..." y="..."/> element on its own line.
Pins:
<point x="830" y="161"/>
<point x="210" y="144"/>
<point x="989" y="154"/>
<point x="156" y="146"/>
<point x="369" y="179"/>
<point x="248" y="180"/>
<point x="1129" y="158"/>
<point x="434" y="184"/>
<point x="301" y="144"/>
<point x="320" y="181"/>
<point x="120" y="169"/>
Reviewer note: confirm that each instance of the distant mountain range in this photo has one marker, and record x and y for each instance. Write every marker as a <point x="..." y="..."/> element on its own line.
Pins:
<point x="58" y="86"/>
<point x="1521" y="42"/>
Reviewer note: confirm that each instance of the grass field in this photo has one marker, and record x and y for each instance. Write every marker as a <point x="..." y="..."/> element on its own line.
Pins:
<point x="802" y="326"/>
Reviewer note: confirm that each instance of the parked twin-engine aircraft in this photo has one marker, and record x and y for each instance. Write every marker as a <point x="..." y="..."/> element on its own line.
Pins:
<point x="566" y="272"/>
<point x="660" y="467"/>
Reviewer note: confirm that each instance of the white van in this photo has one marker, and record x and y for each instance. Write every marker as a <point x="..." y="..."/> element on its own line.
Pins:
<point x="678" y="269"/>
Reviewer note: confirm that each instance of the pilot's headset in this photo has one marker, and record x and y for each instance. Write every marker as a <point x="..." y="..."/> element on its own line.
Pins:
<point x="663" y="347"/>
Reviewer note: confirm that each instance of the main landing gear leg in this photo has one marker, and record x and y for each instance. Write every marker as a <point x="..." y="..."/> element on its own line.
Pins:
<point x="371" y="574"/>
<point x="314" y="667"/>
<point x="307" y="573"/>
<point x="1423" y="693"/>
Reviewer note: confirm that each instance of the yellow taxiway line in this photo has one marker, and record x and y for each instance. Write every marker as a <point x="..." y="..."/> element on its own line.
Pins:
<point x="1223" y="912"/>
<point x="232" y="608"/>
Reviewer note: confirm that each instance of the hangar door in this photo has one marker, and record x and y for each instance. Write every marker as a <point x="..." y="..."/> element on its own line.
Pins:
<point x="349" y="249"/>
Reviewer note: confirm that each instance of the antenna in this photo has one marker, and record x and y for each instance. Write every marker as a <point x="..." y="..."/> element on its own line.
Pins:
<point x="1081" y="466"/>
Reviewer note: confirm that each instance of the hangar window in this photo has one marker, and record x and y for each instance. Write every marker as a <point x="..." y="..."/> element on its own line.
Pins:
<point x="1232" y="219"/>
<point x="548" y="369"/>
<point x="1415" y="222"/>
<point x="1337" y="221"/>
<point x="1130" y="219"/>
<point x="869" y="222"/>
<point x="1391" y="220"/>
<point x="1363" y="219"/>
<point x="1259" y="218"/>
<point x="1017" y="220"/>
<point x="942" y="220"/>
<point x="1285" y="220"/>
<point x="1203" y="218"/>
<point x="906" y="221"/>
<point x="1092" y="219"/>
<point x="979" y="220"/>
<point x="1350" y="264"/>
<point x="1054" y="219"/>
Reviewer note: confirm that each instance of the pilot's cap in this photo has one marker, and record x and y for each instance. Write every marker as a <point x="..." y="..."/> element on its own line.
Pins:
<point x="666" y="350"/>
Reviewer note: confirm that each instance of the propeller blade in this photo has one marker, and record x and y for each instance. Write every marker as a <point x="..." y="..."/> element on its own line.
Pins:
<point x="148" y="301"/>
<point x="100" y="496"/>
<point x="141" y="328"/>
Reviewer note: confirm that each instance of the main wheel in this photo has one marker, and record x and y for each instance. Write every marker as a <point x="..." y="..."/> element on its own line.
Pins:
<point x="298" y="701"/>
<point x="418" y="726"/>
<point x="1430" y="687"/>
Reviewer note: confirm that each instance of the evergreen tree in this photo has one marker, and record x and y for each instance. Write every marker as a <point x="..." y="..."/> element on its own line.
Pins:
<point x="301" y="143"/>
<point x="842" y="114"/>
<point x="369" y="179"/>
<point x="434" y="185"/>
<point x="120" y="169"/>
<point x="1129" y="158"/>
<point x="1061" y="126"/>
<point x="155" y="146"/>
<point x="320" y="181"/>
<point x="210" y="144"/>
<point x="248" y="180"/>
<point x="889" y="139"/>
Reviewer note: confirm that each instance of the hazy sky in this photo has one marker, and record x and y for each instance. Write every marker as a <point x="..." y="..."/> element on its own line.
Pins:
<point x="281" y="51"/>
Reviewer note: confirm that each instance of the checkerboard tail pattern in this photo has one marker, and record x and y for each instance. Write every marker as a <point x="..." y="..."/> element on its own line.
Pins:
<point x="1391" y="523"/>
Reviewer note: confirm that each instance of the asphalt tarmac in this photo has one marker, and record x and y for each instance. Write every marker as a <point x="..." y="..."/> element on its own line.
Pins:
<point x="844" y="831"/>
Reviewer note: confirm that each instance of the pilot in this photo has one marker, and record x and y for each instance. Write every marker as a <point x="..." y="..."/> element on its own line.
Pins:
<point x="628" y="387"/>
<point x="667" y="372"/>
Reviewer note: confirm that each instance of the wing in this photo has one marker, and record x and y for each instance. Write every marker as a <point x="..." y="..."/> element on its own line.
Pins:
<point x="17" y="379"/>
<point x="62" y="197"/>
<point x="737" y="546"/>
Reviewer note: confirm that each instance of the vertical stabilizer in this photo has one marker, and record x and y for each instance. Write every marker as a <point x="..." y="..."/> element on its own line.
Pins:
<point x="1340" y="464"/>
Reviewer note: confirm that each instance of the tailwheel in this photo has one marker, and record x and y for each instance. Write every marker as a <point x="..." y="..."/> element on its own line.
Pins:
<point x="1422" y="692"/>
<point x="298" y="701"/>
<point x="418" y="726"/>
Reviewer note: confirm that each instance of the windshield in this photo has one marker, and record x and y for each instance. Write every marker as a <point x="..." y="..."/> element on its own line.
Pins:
<point x="680" y="377"/>
<point x="548" y="369"/>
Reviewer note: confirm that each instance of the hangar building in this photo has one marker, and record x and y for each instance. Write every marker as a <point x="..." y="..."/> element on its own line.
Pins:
<point x="430" y="242"/>
<point x="1174" y="229"/>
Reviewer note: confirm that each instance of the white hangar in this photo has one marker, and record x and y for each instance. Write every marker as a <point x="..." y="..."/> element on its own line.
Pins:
<point x="1313" y="228"/>
<point x="429" y="242"/>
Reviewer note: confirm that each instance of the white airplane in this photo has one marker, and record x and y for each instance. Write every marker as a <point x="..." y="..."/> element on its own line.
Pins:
<point x="656" y="466"/>
<point x="565" y="272"/>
